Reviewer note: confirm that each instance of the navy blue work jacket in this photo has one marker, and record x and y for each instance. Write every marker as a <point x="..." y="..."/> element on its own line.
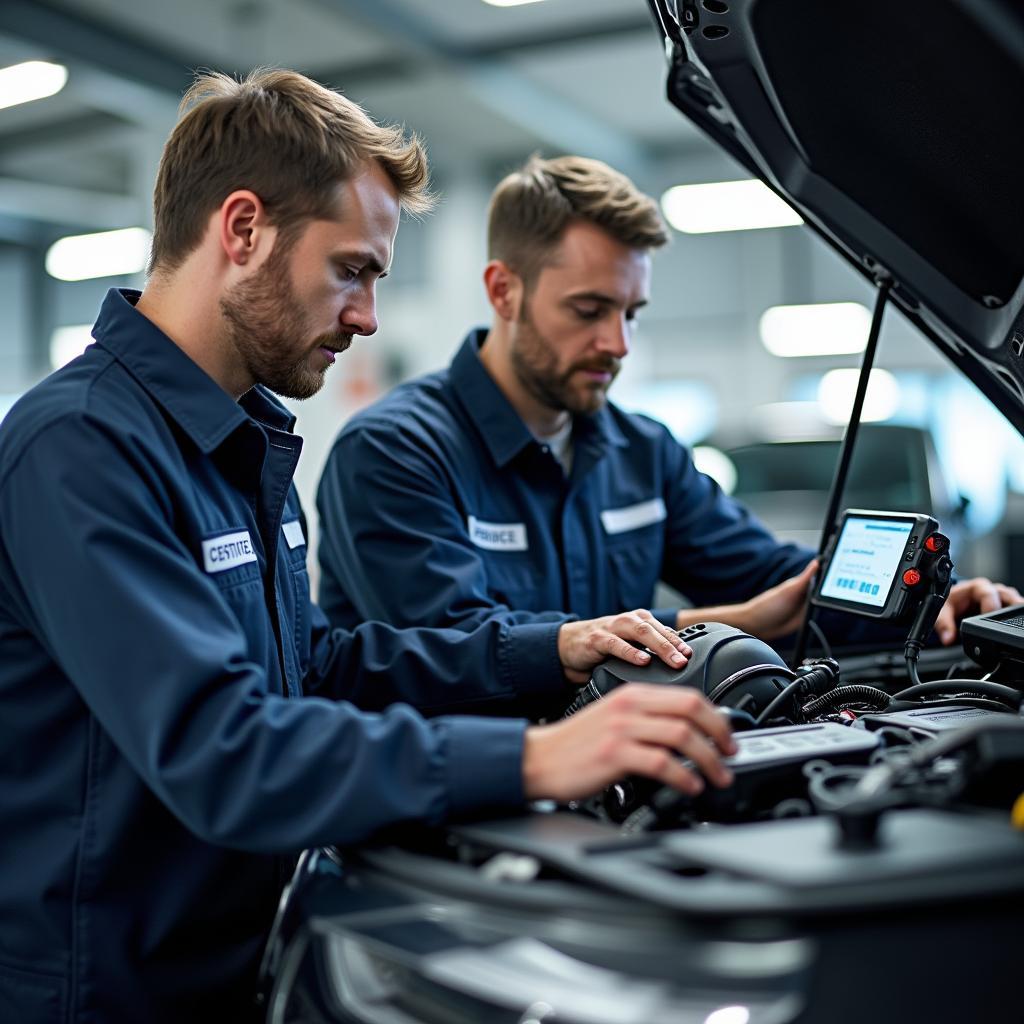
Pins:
<point x="171" y="730"/>
<point x="438" y="507"/>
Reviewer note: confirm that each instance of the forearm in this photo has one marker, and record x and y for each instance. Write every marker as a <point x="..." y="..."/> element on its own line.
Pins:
<point x="495" y="669"/>
<point x="735" y="615"/>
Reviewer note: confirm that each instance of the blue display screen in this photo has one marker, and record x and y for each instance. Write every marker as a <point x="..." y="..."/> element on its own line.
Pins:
<point x="866" y="560"/>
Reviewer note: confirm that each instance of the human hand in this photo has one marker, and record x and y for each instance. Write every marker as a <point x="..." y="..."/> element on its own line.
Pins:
<point x="780" y="609"/>
<point x="969" y="597"/>
<point x="583" y="645"/>
<point x="637" y="729"/>
<point x="777" y="612"/>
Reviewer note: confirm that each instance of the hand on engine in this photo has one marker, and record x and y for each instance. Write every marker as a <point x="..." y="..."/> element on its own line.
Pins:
<point x="637" y="729"/>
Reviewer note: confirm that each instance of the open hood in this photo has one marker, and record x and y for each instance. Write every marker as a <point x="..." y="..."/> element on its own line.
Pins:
<point x="896" y="130"/>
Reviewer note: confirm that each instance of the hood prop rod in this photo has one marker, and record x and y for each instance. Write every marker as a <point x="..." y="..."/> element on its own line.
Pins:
<point x="884" y="282"/>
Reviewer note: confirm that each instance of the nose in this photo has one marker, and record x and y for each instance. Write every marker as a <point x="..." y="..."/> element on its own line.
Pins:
<point x="616" y="336"/>
<point x="359" y="316"/>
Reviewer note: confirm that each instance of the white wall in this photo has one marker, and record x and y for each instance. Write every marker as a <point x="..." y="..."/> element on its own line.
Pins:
<point x="15" y="322"/>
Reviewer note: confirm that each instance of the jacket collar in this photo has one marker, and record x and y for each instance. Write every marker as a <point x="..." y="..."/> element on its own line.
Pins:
<point x="501" y="428"/>
<point x="200" y="406"/>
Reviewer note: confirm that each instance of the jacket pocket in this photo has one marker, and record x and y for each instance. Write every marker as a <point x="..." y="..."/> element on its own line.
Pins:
<point x="31" y="996"/>
<point x="513" y="581"/>
<point x="635" y="568"/>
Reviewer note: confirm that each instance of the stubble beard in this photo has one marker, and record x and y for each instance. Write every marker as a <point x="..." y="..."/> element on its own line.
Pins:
<point x="269" y="329"/>
<point x="535" y="364"/>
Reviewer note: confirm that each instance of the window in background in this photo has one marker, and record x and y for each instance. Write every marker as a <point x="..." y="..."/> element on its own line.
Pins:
<point x="978" y="449"/>
<point x="717" y="465"/>
<point x="688" y="408"/>
<point x="66" y="343"/>
<point x="6" y="402"/>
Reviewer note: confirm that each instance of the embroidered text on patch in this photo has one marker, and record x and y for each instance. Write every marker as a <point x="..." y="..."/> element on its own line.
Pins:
<point x="632" y="517"/>
<point x="498" y="536"/>
<point x="228" y="551"/>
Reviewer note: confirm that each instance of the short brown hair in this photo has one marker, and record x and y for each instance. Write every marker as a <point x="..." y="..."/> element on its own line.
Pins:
<point x="285" y="137"/>
<point x="532" y="207"/>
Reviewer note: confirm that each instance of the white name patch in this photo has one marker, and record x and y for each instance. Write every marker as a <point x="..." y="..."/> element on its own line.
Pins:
<point x="228" y="551"/>
<point x="498" y="536"/>
<point x="293" y="533"/>
<point x="632" y="517"/>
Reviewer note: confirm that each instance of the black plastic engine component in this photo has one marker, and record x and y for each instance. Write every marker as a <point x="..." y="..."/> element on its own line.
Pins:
<point x="729" y="666"/>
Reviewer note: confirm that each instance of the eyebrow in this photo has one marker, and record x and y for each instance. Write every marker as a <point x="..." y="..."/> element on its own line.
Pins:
<point x="366" y="258"/>
<point x="605" y="300"/>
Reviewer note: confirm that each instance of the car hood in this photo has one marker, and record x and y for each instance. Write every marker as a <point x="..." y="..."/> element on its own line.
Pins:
<point x="896" y="130"/>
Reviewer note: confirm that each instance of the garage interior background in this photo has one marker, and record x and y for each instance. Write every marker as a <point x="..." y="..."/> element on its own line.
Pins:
<point x="486" y="83"/>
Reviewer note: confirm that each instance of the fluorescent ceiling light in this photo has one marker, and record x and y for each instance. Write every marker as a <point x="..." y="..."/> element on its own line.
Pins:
<point x="726" y="206"/>
<point x="33" y="80"/>
<point x="838" y="387"/>
<point x="103" y="254"/>
<point x="510" y="3"/>
<point x="729" y="1015"/>
<point x="822" y="329"/>
<point x="717" y="465"/>
<point x="788" y="421"/>
<point x="66" y="343"/>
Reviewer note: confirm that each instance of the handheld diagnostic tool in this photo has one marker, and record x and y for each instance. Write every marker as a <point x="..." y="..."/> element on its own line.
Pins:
<point x="883" y="565"/>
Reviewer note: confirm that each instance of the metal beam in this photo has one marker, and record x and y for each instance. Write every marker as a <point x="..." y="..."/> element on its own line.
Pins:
<point x="138" y="102"/>
<point x="18" y="231"/>
<point x="128" y="75"/>
<point x="124" y="54"/>
<point x="560" y="39"/>
<point x="56" y="204"/>
<point x="554" y="119"/>
<point x="42" y="136"/>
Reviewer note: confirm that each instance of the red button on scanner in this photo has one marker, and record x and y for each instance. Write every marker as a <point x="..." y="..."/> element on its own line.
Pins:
<point x="936" y="542"/>
<point x="911" y="577"/>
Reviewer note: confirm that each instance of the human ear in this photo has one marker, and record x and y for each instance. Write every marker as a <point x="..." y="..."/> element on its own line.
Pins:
<point x="504" y="289"/>
<point x="243" y="229"/>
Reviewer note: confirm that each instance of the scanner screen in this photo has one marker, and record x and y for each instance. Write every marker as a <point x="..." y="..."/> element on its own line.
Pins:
<point x="866" y="560"/>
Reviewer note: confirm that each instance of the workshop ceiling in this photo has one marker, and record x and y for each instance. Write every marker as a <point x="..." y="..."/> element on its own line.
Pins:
<point x="484" y="85"/>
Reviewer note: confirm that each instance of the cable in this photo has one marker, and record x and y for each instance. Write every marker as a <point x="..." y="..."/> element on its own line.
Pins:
<point x="959" y="701"/>
<point x="876" y="786"/>
<point x="958" y="666"/>
<point x="915" y="678"/>
<point x="996" y="690"/>
<point x="820" y="634"/>
<point x="855" y="693"/>
<point x="824" y="672"/>
<point x="988" y="675"/>
<point x="899" y="737"/>
<point x="779" y="700"/>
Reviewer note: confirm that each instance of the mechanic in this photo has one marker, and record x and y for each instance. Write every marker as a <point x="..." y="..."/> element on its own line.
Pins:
<point x="506" y="488"/>
<point x="172" y="724"/>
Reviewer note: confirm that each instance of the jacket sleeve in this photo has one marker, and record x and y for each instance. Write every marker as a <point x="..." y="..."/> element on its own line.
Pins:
<point x="496" y="668"/>
<point x="716" y="551"/>
<point x="394" y="543"/>
<point x="117" y="601"/>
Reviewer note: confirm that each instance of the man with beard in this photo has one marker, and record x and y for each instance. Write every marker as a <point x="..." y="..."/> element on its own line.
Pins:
<point x="174" y="723"/>
<point x="507" y="489"/>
